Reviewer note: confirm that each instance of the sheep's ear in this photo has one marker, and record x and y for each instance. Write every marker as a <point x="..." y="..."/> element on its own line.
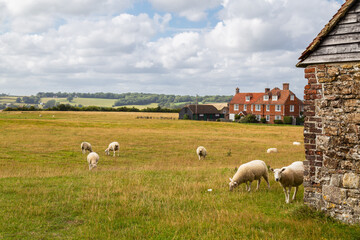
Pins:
<point x="271" y="169"/>
<point x="283" y="169"/>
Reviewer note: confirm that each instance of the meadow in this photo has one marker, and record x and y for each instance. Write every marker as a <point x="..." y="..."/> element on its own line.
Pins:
<point x="156" y="189"/>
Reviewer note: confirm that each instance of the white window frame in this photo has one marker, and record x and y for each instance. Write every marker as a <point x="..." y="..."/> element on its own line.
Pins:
<point x="236" y="107"/>
<point x="247" y="98"/>
<point x="268" y="108"/>
<point x="277" y="117"/>
<point x="292" y="108"/>
<point x="277" y="108"/>
<point x="266" y="97"/>
<point x="257" y="107"/>
<point x="245" y="107"/>
<point x="252" y="107"/>
<point x="258" y="117"/>
<point x="292" y="97"/>
<point x="274" y="98"/>
<point x="268" y="118"/>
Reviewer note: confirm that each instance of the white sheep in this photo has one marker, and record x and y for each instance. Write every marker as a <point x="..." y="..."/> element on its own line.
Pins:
<point x="114" y="146"/>
<point x="249" y="172"/>
<point x="92" y="159"/>
<point x="201" y="152"/>
<point x="290" y="176"/>
<point x="85" y="146"/>
<point x="272" y="150"/>
<point x="296" y="143"/>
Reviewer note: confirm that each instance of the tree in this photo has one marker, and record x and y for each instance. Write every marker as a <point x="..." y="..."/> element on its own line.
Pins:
<point x="50" y="104"/>
<point x="70" y="98"/>
<point x="18" y="100"/>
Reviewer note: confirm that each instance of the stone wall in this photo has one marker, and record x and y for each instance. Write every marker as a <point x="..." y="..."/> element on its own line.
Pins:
<point x="331" y="137"/>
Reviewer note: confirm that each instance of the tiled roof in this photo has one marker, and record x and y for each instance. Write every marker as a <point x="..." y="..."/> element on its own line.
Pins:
<point x="282" y="97"/>
<point x="239" y="98"/>
<point x="327" y="29"/>
<point x="203" y="109"/>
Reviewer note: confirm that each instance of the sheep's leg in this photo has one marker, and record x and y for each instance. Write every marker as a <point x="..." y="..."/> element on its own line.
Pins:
<point x="114" y="152"/>
<point x="199" y="157"/>
<point x="296" y="189"/>
<point x="267" y="181"/>
<point x="249" y="186"/>
<point x="286" y="196"/>
<point x="258" y="184"/>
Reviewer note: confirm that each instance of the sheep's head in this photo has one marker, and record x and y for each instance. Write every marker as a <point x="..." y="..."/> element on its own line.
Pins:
<point x="107" y="151"/>
<point x="277" y="173"/>
<point x="91" y="166"/>
<point x="232" y="184"/>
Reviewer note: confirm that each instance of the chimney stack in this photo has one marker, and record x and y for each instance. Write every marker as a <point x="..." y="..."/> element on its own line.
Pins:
<point x="237" y="90"/>
<point x="267" y="90"/>
<point x="285" y="86"/>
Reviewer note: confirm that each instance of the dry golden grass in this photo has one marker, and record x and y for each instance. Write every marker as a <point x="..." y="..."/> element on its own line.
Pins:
<point x="155" y="189"/>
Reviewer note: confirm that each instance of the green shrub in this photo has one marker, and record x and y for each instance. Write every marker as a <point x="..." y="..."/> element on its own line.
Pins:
<point x="186" y="117"/>
<point x="278" y="121"/>
<point x="287" y="120"/>
<point x="263" y="120"/>
<point x="250" y="118"/>
<point x="300" y="120"/>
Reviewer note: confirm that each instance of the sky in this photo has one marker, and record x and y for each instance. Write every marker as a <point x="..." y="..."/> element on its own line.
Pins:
<point x="183" y="47"/>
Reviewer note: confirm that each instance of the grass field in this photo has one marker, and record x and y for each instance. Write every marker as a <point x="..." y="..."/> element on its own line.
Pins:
<point x="95" y="102"/>
<point x="155" y="189"/>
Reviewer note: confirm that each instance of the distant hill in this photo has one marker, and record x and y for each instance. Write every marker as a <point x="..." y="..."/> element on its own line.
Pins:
<point x="112" y="99"/>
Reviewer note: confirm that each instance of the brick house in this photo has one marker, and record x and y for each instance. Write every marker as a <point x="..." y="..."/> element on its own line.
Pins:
<point x="272" y="104"/>
<point x="332" y="122"/>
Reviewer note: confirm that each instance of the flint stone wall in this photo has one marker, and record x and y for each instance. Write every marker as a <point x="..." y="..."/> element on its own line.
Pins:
<point x="331" y="137"/>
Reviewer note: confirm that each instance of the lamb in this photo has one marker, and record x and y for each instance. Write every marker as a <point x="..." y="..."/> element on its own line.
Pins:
<point x="86" y="146"/>
<point x="272" y="150"/>
<point x="92" y="159"/>
<point x="290" y="176"/>
<point x="114" y="146"/>
<point x="201" y="152"/>
<point x="249" y="172"/>
<point x="296" y="143"/>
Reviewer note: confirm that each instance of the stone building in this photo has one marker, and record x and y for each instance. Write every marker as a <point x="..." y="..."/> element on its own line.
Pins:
<point x="332" y="110"/>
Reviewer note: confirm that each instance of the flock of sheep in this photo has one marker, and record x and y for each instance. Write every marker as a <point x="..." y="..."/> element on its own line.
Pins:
<point x="288" y="177"/>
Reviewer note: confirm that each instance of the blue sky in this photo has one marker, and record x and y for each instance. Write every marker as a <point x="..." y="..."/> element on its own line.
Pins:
<point x="183" y="47"/>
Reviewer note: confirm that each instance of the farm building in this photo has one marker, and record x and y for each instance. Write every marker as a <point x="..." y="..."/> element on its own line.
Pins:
<point x="332" y="110"/>
<point x="200" y="112"/>
<point x="272" y="104"/>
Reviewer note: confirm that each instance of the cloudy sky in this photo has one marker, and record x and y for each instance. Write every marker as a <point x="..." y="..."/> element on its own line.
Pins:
<point x="203" y="47"/>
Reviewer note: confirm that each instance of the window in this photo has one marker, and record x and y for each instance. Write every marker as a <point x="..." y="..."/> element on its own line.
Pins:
<point x="257" y="107"/>
<point x="275" y="98"/>
<point x="236" y="107"/>
<point x="245" y="107"/>
<point x="291" y="108"/>
<point x="268" y="108"/>
<point x="266" y="97"/>
<point x="277" y="117"/>
<point x="292" y="97"/>
<point x="217" y="115"/>
<point x="252" y="107"/>
<point x="258" y="117"/>
<point x="267" y="118"/>
<point x="247" y="98"/>
<point x="201" y="115"/>
<point x="277" y="108"/>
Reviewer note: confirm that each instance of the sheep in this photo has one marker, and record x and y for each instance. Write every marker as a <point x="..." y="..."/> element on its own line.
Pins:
<point x="92" y="159"/>
<point x="249" y="172"/>
<point x="296" y="143"/>
<point x="272" y="150"/>
<point x="113" y="147"/>
<point x="86" y="146"/>
<point x="290" y="176"/>
<point x="201" y="152"/>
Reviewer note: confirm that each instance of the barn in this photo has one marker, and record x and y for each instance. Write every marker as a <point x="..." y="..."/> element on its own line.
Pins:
<point x="332" y="110"/>
<point x="200" y="112"/>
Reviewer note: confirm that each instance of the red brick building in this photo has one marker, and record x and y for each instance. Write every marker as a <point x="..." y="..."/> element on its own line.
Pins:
<point x="272" y="104"/>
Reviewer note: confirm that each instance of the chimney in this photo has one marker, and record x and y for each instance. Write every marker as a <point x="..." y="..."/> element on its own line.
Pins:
<point x="237" y="90"/>
<point x="285" y="86"/>
<point x="267" y="90"/>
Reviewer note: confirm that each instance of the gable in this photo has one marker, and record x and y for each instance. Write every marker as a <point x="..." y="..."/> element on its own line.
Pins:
<point x="339" y="41"/>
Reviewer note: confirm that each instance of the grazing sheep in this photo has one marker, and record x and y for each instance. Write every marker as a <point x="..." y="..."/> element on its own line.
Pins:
<point x="114" y="146"/>
<point x="201" y="152"/>
<point x="296" y="143"/>
<point x="290" y="176"/>
<point x="92" y="159"/>
<point x="85" y="146"/>
<point x="40" y="115"/>
<point x="272" y="150"/>
<point x="249" y="172"/>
